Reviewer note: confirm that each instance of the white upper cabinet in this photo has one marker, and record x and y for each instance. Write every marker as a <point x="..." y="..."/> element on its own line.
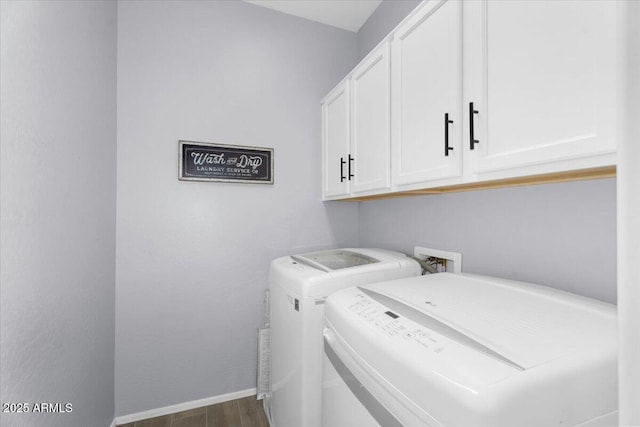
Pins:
<point x="427" y="94"/>
<point x="479" y="93"/>
<point x="336" y="136"/>
<point x="542" y="77"/>
<point x="371" y="122"/>
<point x="357" y="130"/>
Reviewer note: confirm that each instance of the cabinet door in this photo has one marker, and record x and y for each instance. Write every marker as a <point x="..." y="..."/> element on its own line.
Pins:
<point x="335" y="142"/>
<point x="371" y="120"/>
<point x="426" y="85"/>
<point x="543" y="82"/>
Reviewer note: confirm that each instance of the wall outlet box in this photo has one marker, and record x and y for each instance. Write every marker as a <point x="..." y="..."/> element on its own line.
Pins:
<point x="454" y="259"/>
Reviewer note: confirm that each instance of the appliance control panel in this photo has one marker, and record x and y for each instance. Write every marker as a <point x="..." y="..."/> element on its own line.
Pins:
<point x="394" y="325"/>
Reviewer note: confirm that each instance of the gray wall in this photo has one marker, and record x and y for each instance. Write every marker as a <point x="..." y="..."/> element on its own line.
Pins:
<point x="381" y="22"/>
<point x="58" y="153"/>
<point x="193" y="257"/>
<point x="559" y="235"/>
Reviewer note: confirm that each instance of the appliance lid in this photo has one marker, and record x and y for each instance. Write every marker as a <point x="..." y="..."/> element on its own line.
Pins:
<point x="335" y="259"/>
<point x="521" y="324"/>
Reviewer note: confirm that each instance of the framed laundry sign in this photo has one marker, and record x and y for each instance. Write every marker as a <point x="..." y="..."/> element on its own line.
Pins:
<point x="200" y="161"/>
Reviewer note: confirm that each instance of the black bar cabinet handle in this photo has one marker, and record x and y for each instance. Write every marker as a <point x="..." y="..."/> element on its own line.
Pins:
<point x="446" y="134"/>
<point x="349" y="169"/>
<point x="342" y="163"/>
<point x="472" y="140"/>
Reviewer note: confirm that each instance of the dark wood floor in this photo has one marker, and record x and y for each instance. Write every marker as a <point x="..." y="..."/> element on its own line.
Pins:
<point x="246" y="412"/>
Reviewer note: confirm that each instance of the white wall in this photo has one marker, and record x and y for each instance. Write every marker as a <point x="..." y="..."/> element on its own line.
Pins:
<point x="58" y="153"/>
<point x="193" y="257"/>
<point x="629" y="219"/>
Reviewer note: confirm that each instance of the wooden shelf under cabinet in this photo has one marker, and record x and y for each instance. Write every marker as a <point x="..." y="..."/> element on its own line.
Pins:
<point x="576" y="175"/>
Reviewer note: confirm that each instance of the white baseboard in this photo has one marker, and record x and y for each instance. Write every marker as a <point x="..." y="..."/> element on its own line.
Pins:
<point x="113" y="423"/>
<point x="124" y="419"/>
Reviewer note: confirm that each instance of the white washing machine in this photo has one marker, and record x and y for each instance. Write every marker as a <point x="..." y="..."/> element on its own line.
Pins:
<point x="298" y="287"/>
<point x="460" y="350"/>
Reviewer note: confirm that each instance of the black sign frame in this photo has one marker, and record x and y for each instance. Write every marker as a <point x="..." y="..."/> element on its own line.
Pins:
<point x="202" y="161"/>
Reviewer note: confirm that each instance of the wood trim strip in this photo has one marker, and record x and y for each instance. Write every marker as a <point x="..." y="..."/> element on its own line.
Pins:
<point x="578" y="175"/>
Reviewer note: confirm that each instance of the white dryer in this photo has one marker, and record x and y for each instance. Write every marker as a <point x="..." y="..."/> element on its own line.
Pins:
<point x="460" y="350"/>
<point x="298" y="286"/>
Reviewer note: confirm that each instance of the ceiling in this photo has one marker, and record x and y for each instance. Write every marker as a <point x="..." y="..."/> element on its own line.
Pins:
<point x="346" y="14"/>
